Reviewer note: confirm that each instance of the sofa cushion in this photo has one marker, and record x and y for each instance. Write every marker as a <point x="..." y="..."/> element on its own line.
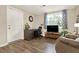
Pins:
<point x="66" y="45"/>
<point x="71" y="36"/>
<point x="69" y="42"/>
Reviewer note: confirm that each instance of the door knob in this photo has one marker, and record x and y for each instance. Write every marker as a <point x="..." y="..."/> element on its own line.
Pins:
<point x="9" y="27"/>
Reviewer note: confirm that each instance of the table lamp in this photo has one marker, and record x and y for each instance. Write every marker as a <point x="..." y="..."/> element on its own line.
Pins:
<point x="76" y="25"/>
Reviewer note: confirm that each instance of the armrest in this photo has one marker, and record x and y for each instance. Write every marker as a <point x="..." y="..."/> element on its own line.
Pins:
<point x="71" y="36"/>
<point x="70" y="42"/>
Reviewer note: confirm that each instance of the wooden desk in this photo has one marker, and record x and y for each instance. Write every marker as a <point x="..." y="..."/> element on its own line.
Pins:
<point x="29" y="34"/>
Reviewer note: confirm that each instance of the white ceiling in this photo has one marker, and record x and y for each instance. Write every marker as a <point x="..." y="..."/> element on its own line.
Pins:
<point x="39" y="9"/>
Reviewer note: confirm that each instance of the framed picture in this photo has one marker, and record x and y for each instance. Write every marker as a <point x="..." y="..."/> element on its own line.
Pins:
<point x="30" y="18"/>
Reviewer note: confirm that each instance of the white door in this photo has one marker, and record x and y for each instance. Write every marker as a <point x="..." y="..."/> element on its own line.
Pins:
<point x="15" y="29"/>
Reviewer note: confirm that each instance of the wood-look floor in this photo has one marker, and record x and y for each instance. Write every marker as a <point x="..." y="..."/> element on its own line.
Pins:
<point x="42" y="45"/>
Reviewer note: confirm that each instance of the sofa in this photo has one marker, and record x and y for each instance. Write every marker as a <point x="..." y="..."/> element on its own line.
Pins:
<point x="67" y="45"/>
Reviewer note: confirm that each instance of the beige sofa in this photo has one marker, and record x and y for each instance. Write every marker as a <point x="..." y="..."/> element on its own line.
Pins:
<point x="67" y="45"/>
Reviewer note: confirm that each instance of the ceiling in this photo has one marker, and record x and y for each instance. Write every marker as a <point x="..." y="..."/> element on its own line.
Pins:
<point x="40" y="9"/>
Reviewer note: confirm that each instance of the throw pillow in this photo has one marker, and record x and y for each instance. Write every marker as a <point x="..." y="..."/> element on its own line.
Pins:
<point x="77" y="39"/>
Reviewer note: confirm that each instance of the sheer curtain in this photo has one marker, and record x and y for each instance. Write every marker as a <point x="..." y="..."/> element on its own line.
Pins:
<point x="56" y="18"/>
<point x="45" y="20"/>
<point x="64" y="19"/>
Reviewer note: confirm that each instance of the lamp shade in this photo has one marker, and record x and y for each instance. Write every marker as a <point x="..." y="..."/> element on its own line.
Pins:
<point x="76" y="25"/>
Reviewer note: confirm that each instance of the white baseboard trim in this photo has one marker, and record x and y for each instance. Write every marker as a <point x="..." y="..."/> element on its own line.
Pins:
<point x="8" y="43"/>
<point x="15" y="40"/>
<point x="4" y="44"/>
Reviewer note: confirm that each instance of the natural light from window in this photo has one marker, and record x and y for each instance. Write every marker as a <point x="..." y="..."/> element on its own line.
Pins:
<point x="55" y="18"/>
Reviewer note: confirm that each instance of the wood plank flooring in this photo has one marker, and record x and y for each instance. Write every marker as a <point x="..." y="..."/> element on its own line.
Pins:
<point x="38" y="45"/>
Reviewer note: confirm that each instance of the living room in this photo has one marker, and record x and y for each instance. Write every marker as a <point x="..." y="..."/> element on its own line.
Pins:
<point x="39" y="16"/>
<point x="23" y="21"/>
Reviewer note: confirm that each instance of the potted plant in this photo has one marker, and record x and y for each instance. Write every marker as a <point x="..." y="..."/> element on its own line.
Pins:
<point x="27" y="26"/>
<point x="64" y="32"/>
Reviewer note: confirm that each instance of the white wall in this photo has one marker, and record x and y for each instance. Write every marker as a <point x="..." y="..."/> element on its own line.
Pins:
<point x="3" y="25"/>
<point x="77" y="10"/>
<point x="39" y="21"/>
<point x="26" y="19"/>
<point x="71" y="19"/>
<point x="77" y="13"/>
<point x="72" y="15"/>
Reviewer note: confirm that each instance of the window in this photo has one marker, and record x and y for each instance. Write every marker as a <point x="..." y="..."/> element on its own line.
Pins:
<point x="56" y="18"/>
